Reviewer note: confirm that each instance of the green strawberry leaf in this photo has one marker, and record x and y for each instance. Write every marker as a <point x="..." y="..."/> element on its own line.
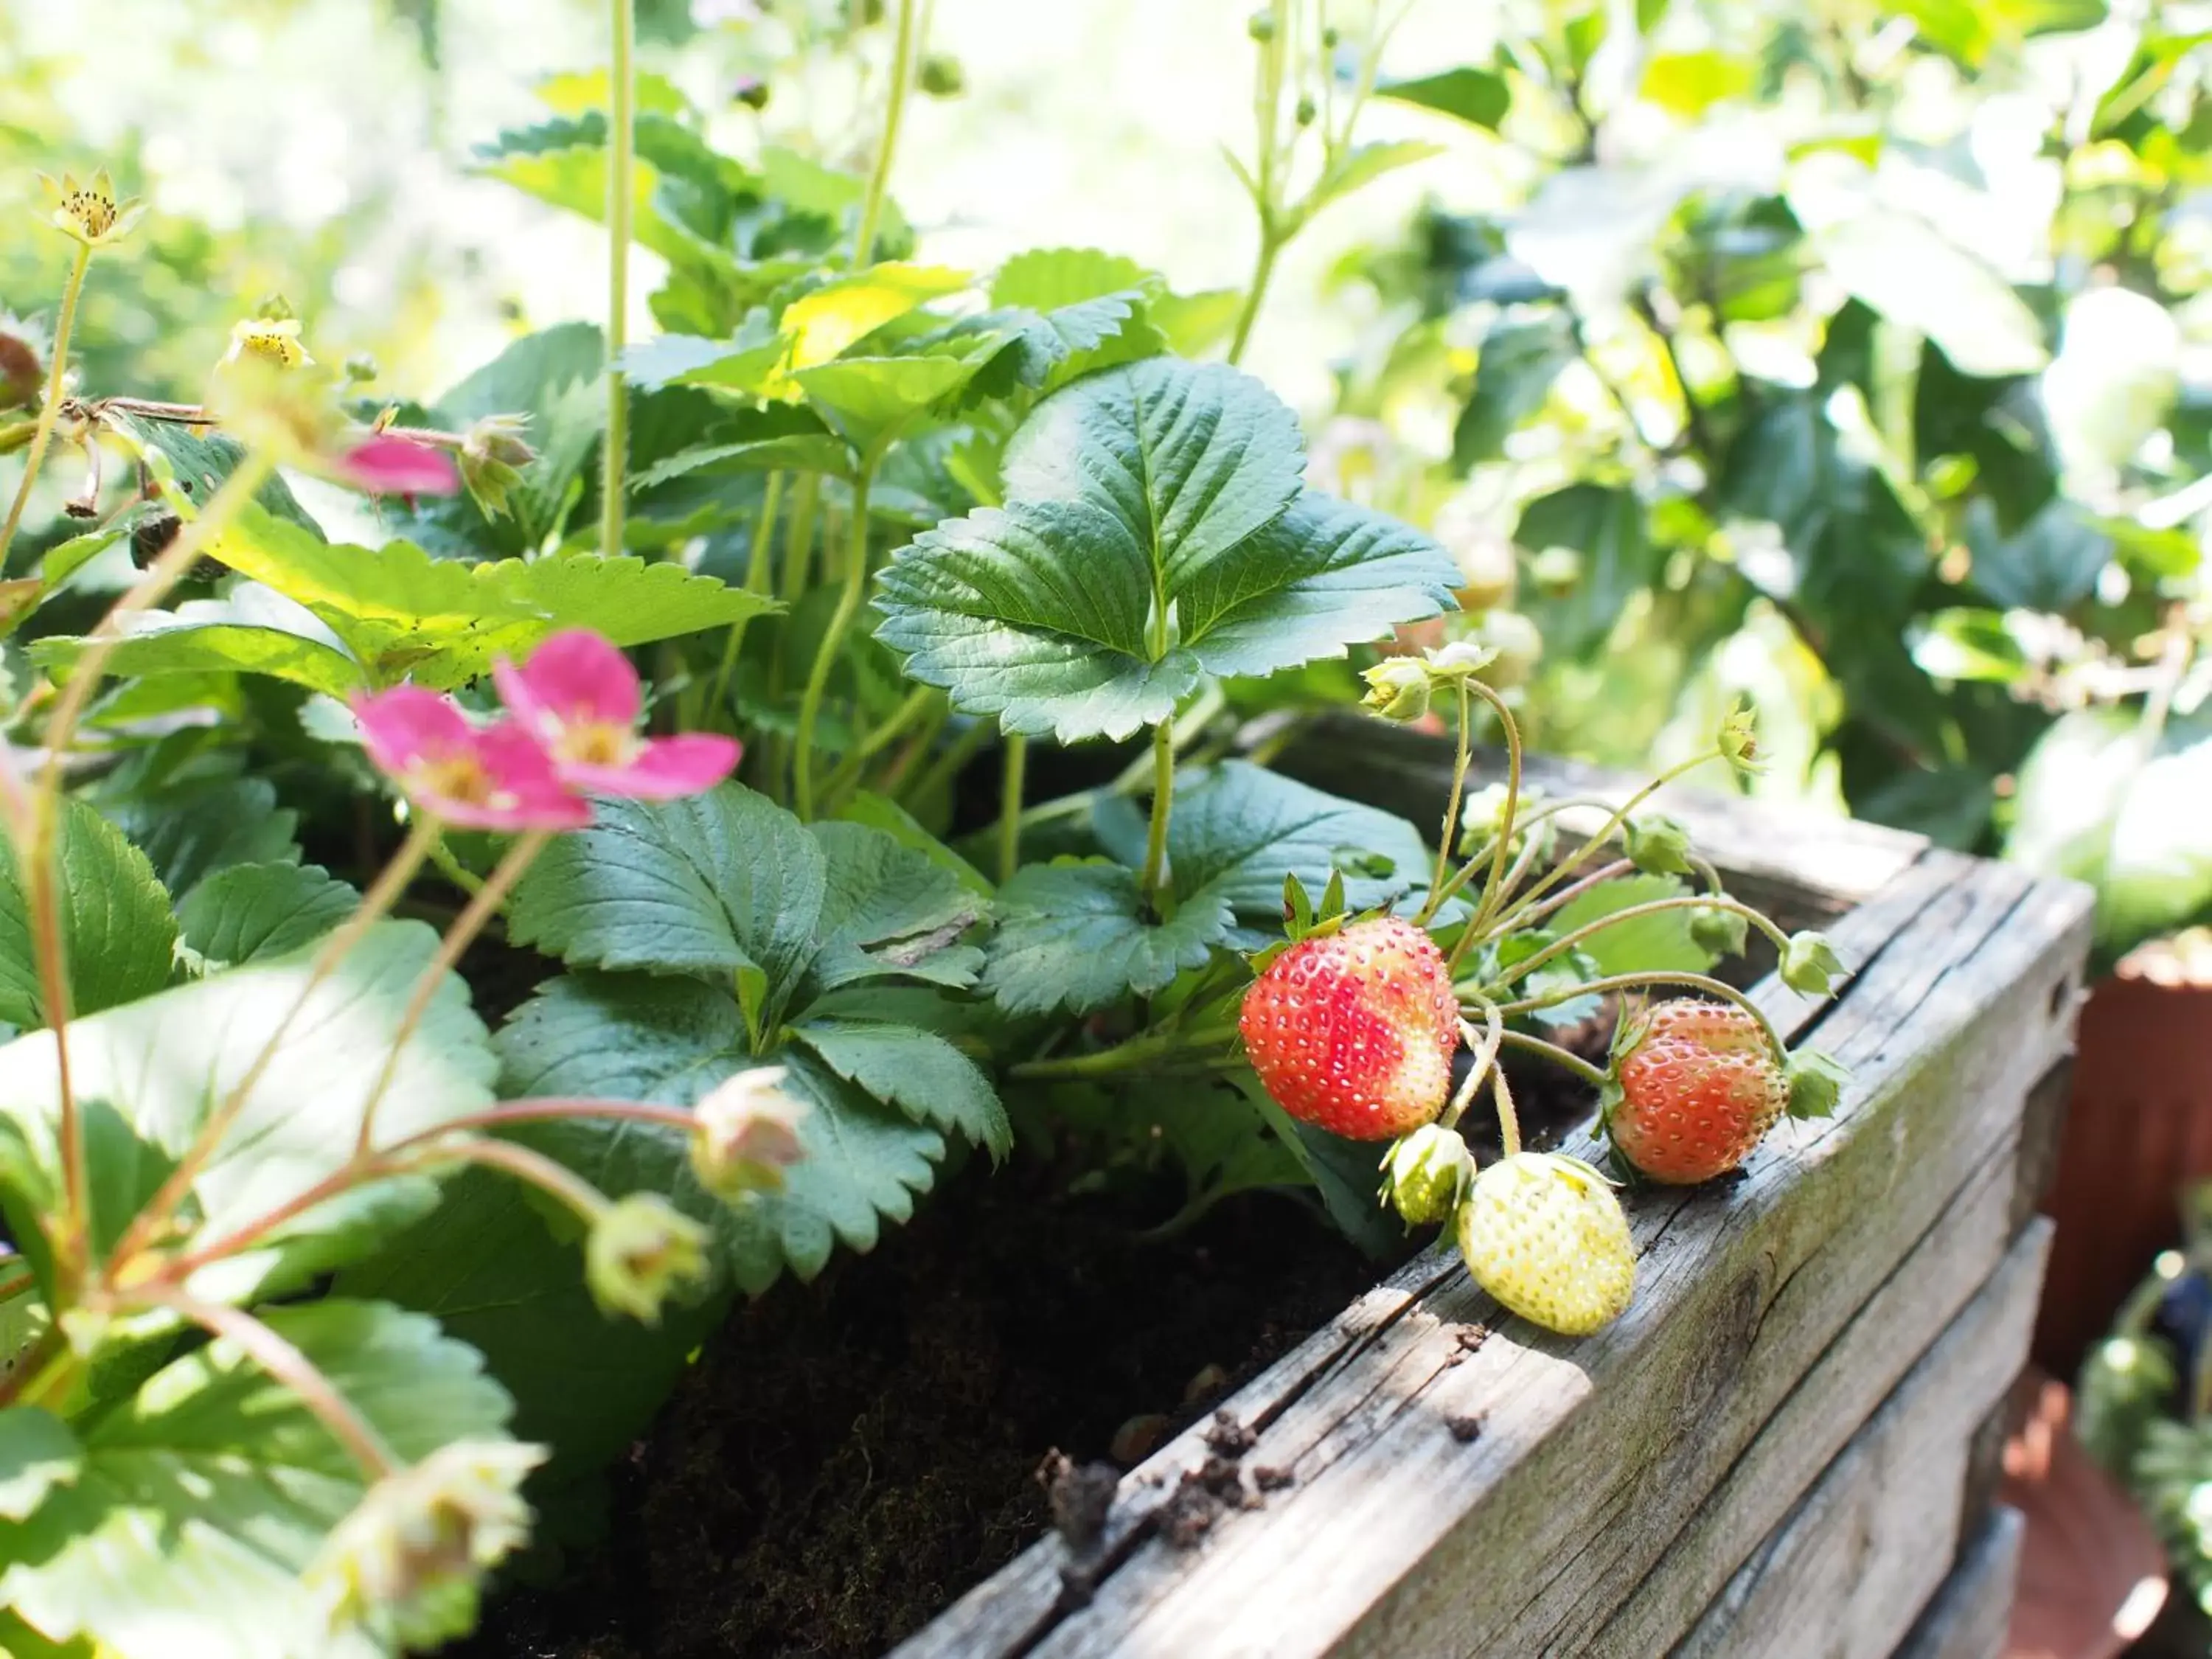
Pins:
<point x="1155" y="485"/>
<point x="37" y="1454"/>
<point x="242" y="633"/>
<point x="190" y="830"/>
<point x="201" y="460"/>
<point x="918" y="1071"/>
<point x="890" y="909"/>
<point x="191" y="1512"/>
<point x="1658" y="943"/>
<point x="118" y="936"/>
<point x="1076" y="934"/>
<point x="254" y="912"/>
<point x="671" y="1041"/>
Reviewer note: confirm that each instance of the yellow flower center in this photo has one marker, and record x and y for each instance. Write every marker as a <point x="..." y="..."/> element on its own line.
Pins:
<point x="272" y="345"/>
<point x="596" y="743"/>
<point x="95" y="213"/>
<point x="458" y="776"/>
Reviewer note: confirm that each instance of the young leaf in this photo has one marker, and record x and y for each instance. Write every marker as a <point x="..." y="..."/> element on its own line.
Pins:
<point x="119" y="938"/>
<point x="1477" y="97"/>
<point x="203" y="636"/>
<point x="195" y="1508"/>
<point x="1156" y="484"/>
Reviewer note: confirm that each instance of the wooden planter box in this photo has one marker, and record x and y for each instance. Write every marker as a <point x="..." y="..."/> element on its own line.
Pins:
<point x="1787" y="1447"/>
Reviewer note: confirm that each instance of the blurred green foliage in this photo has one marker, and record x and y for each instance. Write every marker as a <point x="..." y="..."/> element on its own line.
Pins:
<point x="1855" y="359"/>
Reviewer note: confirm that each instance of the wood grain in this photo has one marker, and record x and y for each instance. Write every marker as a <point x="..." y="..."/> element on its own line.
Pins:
<point x="1869" y="1546"/>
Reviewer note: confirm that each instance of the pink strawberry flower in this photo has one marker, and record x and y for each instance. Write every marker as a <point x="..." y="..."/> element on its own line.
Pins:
<point x="490" y="777"/>
<point x="385" y="465"/>
<point x="579" y="696"/>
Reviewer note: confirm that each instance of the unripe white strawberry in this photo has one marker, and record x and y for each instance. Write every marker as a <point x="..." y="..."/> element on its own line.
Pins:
<point x="1544" y="1234"/>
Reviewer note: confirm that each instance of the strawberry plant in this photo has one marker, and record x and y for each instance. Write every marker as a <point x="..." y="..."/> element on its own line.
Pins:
<point x="690" y="686"/>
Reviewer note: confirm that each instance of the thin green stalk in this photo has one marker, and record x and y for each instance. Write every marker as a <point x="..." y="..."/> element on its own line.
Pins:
<point x="833" y="640"/>
<point x="622" y="139"/>
<point x="1605" y="832"/>
<point x="1010" y="806"/>
<point x="1133" y="1055"/>
<point x="916" y="703"/>
<point x="50" y="410"/>
<point x="1156" y="838"/>
<point x="1263" y="272"/>
<point x="1461" y="760"/>
<point x="1704" y="982"/>
<point x="1485" y="1046"/>
<point x="1509" y="1121"/>
<point x="1532" y="1044"/>
<point x="1493" y="892"/>
<point x="756" y="581"/>
<point x="1566" y="942"/>
<point x="872" y="205"/>
<point x="452" y="869"/>
<point x="947" y="766"/>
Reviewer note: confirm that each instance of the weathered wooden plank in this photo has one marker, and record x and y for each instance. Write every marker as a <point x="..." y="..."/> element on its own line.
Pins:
<point x="1010" y="1613"/>
<point x="1597" y="1454"/>
<point x="1970" y="1614"/>
<point x="2043" y="1129"/>
<point x="1867" y="1546"/>
<point x="1772" y="851"/>
<point x="1910" y="1312"/>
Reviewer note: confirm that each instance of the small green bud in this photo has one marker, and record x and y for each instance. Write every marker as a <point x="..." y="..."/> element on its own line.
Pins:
<point x="1558" y="571"/>
<point x="1330" y="37"/>
<point x="1261" y="26"/>
<point x="1739" y="739"/>
<point x="1816" y="1083"/>
<point x="941" y="75"/>
<point x="492" y="456"/>
<point x="1719" y="933"/>
<point x="1658" y="845"/>
<point x="1427" y="1175"/>
<point x="359" y="369"/>
<point x="274" y="307"/>
<point x="751" y="92"/>
<point x="1810" y="964"/>
<point x="641" y="1251"/>
<point x="1398" y="688"/>
<point x="1306" y="110"/>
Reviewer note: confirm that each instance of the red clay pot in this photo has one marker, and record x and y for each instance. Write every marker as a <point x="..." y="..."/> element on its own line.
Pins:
<point x="2138" y="1130"/>
<point x="2091" y="1574"/>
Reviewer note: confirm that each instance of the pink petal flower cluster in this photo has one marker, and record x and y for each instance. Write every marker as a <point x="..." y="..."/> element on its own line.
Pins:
<point x="570" y="730"/>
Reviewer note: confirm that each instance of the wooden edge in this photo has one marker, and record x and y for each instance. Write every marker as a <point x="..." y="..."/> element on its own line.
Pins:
<point x="1970" y="1615"/>
<point x="1871" y="1542"/>
<point x="1942" y="949"/>
<point x="1779" y="846"/>
<point x="2041" y="1132"/>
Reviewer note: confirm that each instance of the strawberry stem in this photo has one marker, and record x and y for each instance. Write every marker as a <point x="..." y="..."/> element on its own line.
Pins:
<point x="1486" y="1045"/>
<point x="1156" y="838"/>
<point x="1705" y="982"/>
<point x="1567" y="942"/>
<point x="1561" y="871"/>
<point x="1509" y="1121"/>
<point x="1559" y="1056"/>
<point x="1438" y="889"/>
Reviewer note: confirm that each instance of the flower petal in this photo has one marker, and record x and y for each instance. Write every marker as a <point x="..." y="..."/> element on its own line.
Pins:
<point x="573" y="676"/>
<point x="402" y="726"/>
<point x="385" y="466"/>
<point x="667" y="768"/>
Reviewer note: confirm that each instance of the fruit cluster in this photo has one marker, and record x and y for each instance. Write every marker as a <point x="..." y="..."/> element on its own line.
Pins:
<point x="1356" y="1025"/>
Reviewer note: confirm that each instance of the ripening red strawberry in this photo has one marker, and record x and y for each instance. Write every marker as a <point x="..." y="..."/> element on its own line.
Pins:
<point x="1354" y="1031"/>
<point x="1698" y="1084"/>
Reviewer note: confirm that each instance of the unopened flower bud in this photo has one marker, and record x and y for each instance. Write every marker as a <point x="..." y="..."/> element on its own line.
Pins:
<point x="360" y="369"/>
<point x="941" y="75"/>
<point x="408" y="1564"/>
<point x="1658" y="845"/>
<point x="1261" y="26"/>
<point x="643" y="1250"/>
<point x="1426" y="1174"/>
<point x="1461" y="659"/>
<point x="492" y="457"/>
<point x="747" y="1134"/>
<point x="1557" y="570"/>
<point x="751" y="92"/>
<point x="1719" y="933"/>
<point x="1305" y="110"/>
<point x="1816" y="1083"/>
<point x="1398" y="688"/>
<point x="1810" y="964"/>
<point x="1739" y="739"/>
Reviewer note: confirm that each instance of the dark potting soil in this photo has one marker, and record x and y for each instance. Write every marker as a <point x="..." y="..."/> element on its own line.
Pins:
<point x="848" y="1458"/>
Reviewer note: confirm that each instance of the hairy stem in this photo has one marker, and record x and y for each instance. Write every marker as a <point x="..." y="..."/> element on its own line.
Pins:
<point x="50" y="410"/>
<point x="621" y="140"/>
<point x="872" y="205"/>
<point x="553" y="1178"/>
<point x="1156" y="837"/>
<point x="1011" y="781"/>
<point x="287" y="1365"/>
